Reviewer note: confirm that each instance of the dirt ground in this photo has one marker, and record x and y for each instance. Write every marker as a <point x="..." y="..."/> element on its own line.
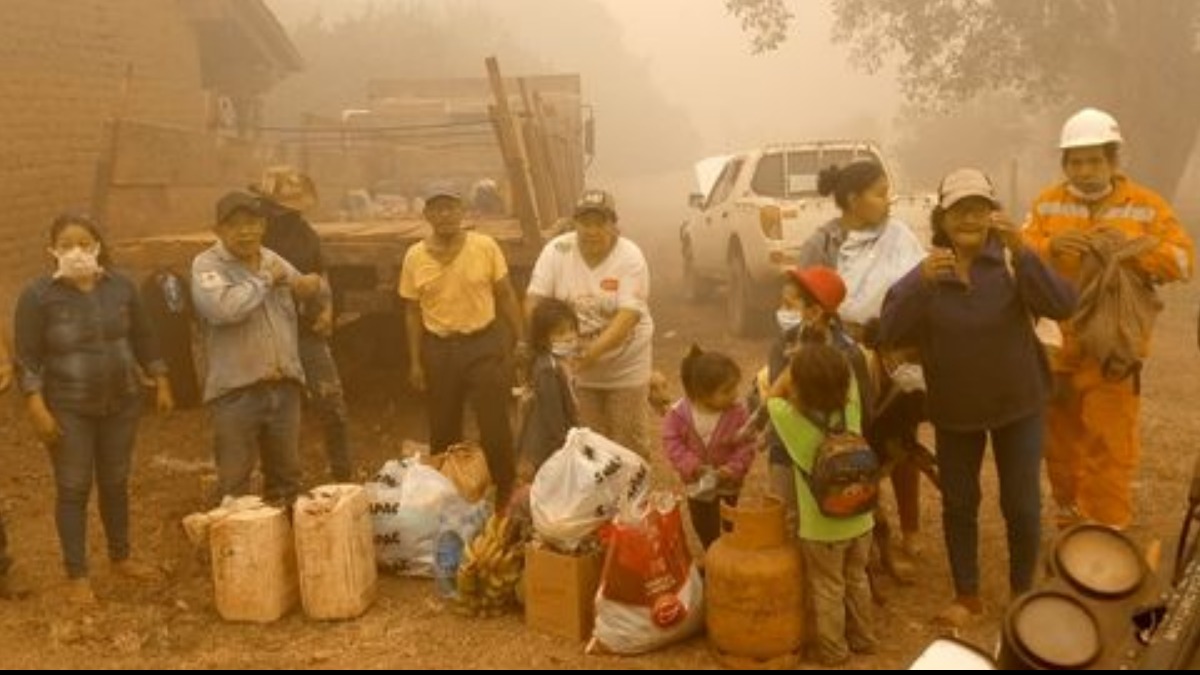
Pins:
<point x="175" y="625"/>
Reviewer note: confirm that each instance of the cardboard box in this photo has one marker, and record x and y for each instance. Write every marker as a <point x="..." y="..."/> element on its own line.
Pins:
<point x="560" y="591"/>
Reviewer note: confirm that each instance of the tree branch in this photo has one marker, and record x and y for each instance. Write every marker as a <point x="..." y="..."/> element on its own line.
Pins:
<point x="767" y="21"/>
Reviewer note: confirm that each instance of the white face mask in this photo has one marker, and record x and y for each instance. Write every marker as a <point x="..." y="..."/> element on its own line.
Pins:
<point x="1090" y="196"/>
<point x="564" y="348"/>
<point x="788" y="319"/>
<point x="909" y="377"/>
<point x="77" y="263"/>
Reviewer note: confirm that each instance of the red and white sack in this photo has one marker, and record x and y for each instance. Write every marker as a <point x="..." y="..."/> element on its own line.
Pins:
<point x="650" y="593"/>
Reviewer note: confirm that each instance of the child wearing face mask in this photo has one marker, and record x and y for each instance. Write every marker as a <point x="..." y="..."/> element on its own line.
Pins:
<point x="704" y="440"/>
<point x="807" y="314"/>
<point x="552" y="409"/>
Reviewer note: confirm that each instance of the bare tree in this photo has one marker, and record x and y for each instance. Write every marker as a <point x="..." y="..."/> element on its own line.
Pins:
<point x="1137" y="59"/>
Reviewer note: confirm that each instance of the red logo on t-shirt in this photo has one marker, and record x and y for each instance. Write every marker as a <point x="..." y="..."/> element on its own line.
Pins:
<point x="610" y="284"/>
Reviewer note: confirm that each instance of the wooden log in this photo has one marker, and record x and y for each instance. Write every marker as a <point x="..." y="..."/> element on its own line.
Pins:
<point x="556" y="148"/>
<point x="541" y="166"/>
<point x="512" y="146"/>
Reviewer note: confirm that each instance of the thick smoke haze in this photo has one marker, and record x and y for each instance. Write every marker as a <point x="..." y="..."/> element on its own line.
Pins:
<point x="697" y="59"/>
<point x="672" y="81"/>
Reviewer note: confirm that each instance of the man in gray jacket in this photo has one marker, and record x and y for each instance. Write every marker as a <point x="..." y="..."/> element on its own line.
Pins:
<point x="245" y="297"/>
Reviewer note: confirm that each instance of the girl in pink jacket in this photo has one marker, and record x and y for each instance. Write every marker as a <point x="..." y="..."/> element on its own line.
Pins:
<point x="703" y="438"/>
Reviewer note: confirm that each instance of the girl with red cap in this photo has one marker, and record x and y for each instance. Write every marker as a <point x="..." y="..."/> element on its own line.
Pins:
<point x="808" y="314"/>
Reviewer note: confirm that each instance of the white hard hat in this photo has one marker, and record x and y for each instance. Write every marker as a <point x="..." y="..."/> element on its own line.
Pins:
<point x="1089" y="127"/>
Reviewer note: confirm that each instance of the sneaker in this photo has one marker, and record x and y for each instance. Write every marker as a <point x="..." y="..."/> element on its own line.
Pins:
<point x="78" y="592"/>
<point x="14" y="586"/>
<point x="138" y="571"/>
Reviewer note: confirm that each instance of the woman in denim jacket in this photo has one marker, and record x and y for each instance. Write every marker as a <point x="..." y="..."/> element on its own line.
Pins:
<point x="83" y="347"/>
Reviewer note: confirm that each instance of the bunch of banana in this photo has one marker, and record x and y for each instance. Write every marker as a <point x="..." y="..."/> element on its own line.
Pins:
<point x="489" y="571"/>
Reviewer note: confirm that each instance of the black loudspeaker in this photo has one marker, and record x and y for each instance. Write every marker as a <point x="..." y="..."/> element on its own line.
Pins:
<point x="1083" y="616"/>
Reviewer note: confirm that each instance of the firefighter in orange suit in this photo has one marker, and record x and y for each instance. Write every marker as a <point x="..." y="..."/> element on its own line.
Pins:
<point x="1092" y="445"/>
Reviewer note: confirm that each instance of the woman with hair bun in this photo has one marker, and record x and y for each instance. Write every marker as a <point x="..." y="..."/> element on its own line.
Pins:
<point x="871" y="251"/>
<point x="869" y="248"/>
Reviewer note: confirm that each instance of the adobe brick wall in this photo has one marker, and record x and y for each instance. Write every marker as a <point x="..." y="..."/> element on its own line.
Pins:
<point x="63" y="71"/>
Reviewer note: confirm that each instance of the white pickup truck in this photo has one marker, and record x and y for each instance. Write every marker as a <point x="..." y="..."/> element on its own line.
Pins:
<point x="754" y="210"/>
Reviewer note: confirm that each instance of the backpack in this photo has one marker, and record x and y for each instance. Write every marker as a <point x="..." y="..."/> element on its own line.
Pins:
<point x="844" y="479"/>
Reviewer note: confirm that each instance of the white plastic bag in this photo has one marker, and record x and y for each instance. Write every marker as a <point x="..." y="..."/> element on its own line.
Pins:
<point x="578" y="488"/>
<point x="407" y="499"/>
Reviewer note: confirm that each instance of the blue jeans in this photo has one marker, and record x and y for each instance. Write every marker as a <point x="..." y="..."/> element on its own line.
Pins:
<point x="326" y="397"/>
<point x="1017" y="448"/>
<point x="262" y="420"/>
<point x="95" y="448"/>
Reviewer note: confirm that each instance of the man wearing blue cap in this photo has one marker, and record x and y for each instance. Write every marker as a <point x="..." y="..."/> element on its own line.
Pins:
<point x="456" y="284"/>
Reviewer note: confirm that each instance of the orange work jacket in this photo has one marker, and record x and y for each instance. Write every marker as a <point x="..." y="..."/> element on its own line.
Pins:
<point x="1130" y="208"/>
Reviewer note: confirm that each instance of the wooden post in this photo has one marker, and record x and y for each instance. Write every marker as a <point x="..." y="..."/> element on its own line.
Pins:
<point x="512" y="146"/>
<point x="556" y="149"/>
<point x="541" y="165"/>
<point x="508" y="153"/>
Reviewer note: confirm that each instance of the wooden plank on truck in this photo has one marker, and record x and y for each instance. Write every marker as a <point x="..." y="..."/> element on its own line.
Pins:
<point x="541" y="167"/>
<point x="556" y="150"/>
<point x="512" y="146"/>
<point x="569" y="135"/>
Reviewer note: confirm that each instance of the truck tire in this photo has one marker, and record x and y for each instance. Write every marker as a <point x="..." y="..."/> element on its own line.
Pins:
<point x="740" y="306"/>
<point x="695" y="288"/>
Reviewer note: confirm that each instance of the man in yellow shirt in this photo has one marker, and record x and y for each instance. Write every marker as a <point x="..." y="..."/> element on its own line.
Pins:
<point x="455" y="284"/>
<point x="1092" y="446"/>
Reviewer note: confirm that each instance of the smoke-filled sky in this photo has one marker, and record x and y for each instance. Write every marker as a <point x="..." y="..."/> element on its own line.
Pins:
<point x="702" y="62"/>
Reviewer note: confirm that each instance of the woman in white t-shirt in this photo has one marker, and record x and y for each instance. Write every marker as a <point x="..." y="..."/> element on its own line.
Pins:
<point x="606" y="280"/>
